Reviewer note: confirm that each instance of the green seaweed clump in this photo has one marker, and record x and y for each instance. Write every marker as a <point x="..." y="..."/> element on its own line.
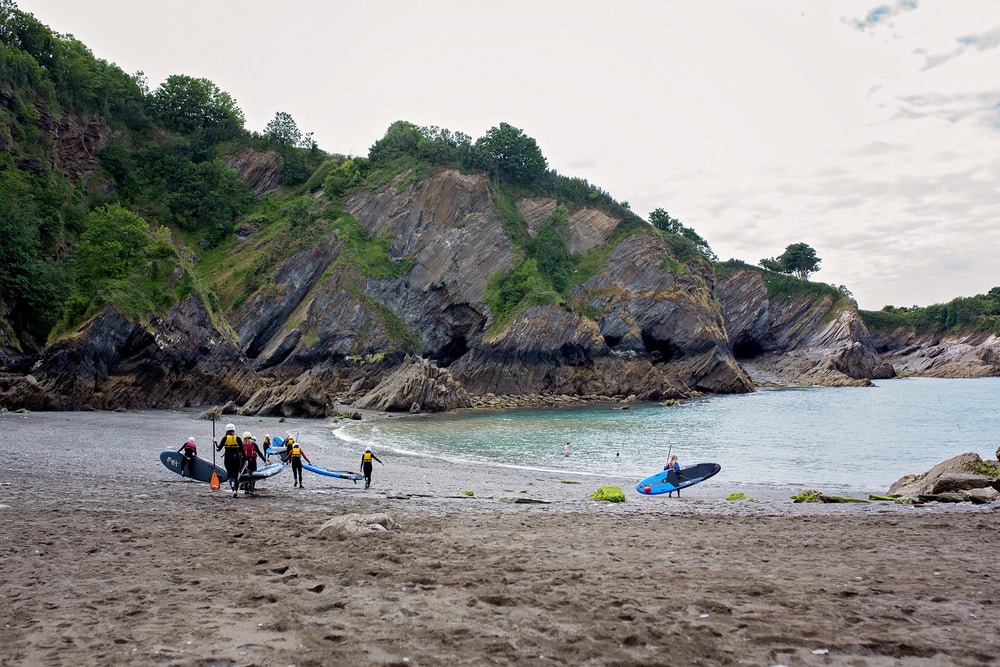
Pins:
<point x="808" y="496"/>
<point x="875" y="496"/>
<point x="467" y="492"/>
<point x="814" y="496"/>
<point x="612" y="494"/>
<point x="739" y="495"/>
<point x="989" y="469"/>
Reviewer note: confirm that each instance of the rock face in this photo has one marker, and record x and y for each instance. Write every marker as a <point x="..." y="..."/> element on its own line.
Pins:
<point x="805" y="340"/>
<point x="75" y="144"/>
<point x="645" y="326"/>
<point x="976" y="355"/>
<point x="113" y="362"/>
<point x="260" y="170"/>
<point x="416" y="386"/>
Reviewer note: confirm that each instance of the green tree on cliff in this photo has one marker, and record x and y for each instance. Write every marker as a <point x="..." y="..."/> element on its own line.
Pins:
<point x="509" y="153"/>
<point x="799" y="260"/>
<point x="283" y="130"/>
<point x="186" y="104"/>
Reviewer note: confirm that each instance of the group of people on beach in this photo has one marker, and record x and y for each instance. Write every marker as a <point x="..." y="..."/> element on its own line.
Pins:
<point x="241" y="454"/>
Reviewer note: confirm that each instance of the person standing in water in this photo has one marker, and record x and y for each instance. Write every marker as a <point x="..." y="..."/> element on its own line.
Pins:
<point x="233" y="459"/>
<point x="189" y="450"/>
<point x="366" y="465"/>
<point x="295" y="455"/>
<point x="566" y="449"/>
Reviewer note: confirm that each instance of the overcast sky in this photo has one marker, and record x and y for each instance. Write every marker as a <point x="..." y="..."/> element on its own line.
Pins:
<point x="869" y="131"/>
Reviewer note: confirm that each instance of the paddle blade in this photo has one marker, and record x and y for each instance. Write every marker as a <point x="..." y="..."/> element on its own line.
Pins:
<point x="214" y="483"/>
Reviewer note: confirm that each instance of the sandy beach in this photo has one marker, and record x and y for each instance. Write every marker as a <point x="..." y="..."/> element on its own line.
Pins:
<point x="110" y="558"/>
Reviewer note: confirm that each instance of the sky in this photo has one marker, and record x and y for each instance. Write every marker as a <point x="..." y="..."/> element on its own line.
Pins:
<point x="870" y="131"/>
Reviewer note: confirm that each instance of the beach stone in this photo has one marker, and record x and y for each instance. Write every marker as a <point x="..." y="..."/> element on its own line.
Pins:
<point x="357" y="524"/>
<point x="961" y="482"/>
<point x="982" y="496"/>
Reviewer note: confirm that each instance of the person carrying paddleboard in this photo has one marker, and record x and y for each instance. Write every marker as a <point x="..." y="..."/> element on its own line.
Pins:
<point x="189" y="450"/>
<point x="366" y="465"/>
<point x="295" y="455"/>
<point x="233" y="459"/>
<point x="672" y="464"/>
<point x="250" y="453"/>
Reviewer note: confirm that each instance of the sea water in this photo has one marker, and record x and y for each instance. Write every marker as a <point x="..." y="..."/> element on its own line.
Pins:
<point x="832" y="439"/>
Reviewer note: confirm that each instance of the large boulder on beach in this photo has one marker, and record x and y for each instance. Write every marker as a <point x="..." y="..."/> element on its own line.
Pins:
<point x="959" y="473"/>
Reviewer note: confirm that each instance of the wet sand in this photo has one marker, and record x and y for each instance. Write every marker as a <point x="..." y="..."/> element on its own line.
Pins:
<point x="109" y="558"/>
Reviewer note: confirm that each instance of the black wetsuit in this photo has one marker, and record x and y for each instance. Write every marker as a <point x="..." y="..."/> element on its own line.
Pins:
<point x="189" y="451"/>
<point x="233" y="459"/>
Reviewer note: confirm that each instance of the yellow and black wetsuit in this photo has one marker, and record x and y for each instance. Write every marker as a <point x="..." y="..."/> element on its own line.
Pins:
<point x="295" y="455"/>
<point x="233" y="459"/>
<point x="366" y="466"/>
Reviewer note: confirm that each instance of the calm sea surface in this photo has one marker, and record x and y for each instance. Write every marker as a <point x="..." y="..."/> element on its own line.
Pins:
<point x="833" y="439"/>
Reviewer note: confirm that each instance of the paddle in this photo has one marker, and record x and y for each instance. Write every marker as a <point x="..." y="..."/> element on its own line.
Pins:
<point x="214" y="483"/>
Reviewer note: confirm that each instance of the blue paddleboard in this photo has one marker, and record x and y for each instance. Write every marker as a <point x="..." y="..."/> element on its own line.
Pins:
<point x="343" y="474"/>
<point x="264" y="472"/>
<point x="276" y="447"/>
<point x="667" y="481"/>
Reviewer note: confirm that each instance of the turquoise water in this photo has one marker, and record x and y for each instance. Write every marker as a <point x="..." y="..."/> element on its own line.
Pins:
<point x="834" y="439"/>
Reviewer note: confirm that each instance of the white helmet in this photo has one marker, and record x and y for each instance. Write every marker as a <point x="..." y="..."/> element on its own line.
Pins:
<point x="191" y="440"/>
<point x="230" y="427"/>
<point x="247" y="435"/>
<point x="368" y="449"/>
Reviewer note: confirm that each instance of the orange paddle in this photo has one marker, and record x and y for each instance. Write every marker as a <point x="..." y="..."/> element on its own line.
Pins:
<point x="214" y="483"/>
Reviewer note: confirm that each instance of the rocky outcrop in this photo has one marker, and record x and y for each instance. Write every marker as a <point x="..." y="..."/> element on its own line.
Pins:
<point x="76" y="144"/>
<point x="802" y="341"/>
<point x="964" y="356"/>
<point x="958" y="479"/>
<point x="416" y="386"/>
<point x="113" y="362"/>
<point x="588" y="227"/>
<point x="260" y="170"/>
<point x="308" y="395"/>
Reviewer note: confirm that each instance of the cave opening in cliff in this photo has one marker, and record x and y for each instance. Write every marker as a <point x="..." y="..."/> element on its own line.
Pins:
<point x="747" y="348"/>
<point x="661" y="351"/>
<point x="612" y="341"/>
<point x="451" y="352"/>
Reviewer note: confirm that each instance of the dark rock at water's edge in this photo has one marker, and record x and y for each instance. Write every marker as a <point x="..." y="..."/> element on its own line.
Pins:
<point x="962" y="478"/>
<point x="113" y="362"/>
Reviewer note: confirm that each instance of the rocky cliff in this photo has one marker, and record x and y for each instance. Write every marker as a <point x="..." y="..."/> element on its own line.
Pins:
<point x="113" y="363"/>
<point x="317" y="334"/>
<point x="962" y="356"/>
<point x="802" y="340"/>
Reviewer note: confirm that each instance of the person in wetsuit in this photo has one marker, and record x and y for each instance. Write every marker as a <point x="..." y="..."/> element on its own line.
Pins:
<point x="366" y="465"/>
<point x="233" y="460"/>
<point x="295" y="455"/>
<point x="672" y="464"/>
<point x="251" y="451"/>
<point x="189" y="450"/>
